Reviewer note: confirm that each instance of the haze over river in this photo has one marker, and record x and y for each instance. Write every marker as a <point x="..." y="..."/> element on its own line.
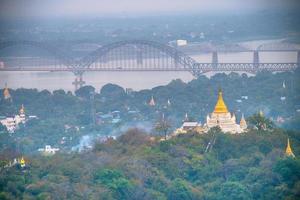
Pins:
<point x="134" y="80"/>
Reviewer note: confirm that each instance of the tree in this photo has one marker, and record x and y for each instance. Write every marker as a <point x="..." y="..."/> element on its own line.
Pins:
<point x="259" y="121"/>
<point x="234" y="190"/>
<point x="115" y="181"/>
<point x="163" y="126"/>
<point x="85" y="91"/>
<point x="179" y="190"/>
<point x="288" y="168"/>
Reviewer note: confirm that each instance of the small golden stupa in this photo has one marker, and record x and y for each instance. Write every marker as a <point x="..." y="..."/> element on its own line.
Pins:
<point x="288" y="150"/>
<point x="6" y="93"/>
<point x="22" y="162"/>
<point x="220" y="105"/>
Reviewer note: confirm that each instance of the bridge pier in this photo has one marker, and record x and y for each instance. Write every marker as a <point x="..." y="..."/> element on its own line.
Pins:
<point x="215" y="60"/>
<point x="78" y="82"/>
<point x="256" y="59"/>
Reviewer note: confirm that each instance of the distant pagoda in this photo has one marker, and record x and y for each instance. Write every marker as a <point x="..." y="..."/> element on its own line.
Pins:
<point x="6" y="93"/>
<point x="152" y="102"/>
<point x="288" y="150"/>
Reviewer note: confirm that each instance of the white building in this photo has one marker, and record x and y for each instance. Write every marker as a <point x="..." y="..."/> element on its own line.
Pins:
<point x="48" y="150"/>
<point x="11" y="123"/>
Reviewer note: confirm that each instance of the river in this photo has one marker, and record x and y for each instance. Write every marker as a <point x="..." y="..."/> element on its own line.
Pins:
<point x="135" y="80"/>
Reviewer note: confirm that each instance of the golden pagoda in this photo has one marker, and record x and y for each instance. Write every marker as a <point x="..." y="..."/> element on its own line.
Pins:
<point x="222" y="118"/>
<point x="22" y="162"/>
<point x="6" y="93"/>
<point x="152" y="102"/>
<point x="288" y="150"/>
<point x="220" y="106"/>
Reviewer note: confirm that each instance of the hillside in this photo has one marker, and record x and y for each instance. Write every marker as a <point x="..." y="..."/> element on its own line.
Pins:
<point x="246" y="166"/>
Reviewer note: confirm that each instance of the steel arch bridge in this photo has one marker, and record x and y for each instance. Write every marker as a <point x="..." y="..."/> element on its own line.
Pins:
<point x="142" y="55"/>
<point x="149" y="56"/>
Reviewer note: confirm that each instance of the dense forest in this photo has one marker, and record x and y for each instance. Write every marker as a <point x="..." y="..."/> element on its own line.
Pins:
<point x="136" y="166"/>
<point x="72" y="116"/>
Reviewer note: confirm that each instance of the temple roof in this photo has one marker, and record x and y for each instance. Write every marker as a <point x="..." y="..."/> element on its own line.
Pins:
<point x="220" y="105"/>
<point x="288" y="151"/>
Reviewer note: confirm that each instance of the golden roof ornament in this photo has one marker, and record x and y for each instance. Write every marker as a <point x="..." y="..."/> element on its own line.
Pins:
<point x="288" y="150"/>
<point x="220" y="105"/>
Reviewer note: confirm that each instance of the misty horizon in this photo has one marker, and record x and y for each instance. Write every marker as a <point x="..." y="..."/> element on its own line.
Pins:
<point x="15" y="9"/>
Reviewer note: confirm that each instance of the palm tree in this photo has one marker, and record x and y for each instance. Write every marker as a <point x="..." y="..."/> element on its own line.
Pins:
<point x="259" y="121"/>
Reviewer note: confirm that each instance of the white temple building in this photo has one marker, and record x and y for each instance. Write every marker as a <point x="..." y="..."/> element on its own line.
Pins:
<point x="220" y="117"/>
<point x="224" y="119"/>
<point x="11" y="123"/>
<point x="48" y="150"/>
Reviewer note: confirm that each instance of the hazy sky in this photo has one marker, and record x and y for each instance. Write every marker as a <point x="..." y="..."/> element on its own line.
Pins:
<point x="49" y="8"/>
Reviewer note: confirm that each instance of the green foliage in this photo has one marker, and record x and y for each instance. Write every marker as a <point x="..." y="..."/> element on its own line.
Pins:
<point x="261" y="122"/>
<point x="234" y="190"/>
<point x="288" y="168"/>
<point x="115" y="181"/>
<point x="136" y="167"/>
<point x="179" y="190"/>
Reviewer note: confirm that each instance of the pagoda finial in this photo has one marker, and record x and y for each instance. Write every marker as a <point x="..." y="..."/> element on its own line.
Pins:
<point x="186" y="118"/>
<point x="6" y="93"/>
<point x="288" y="150"/>
<point x="152" y="102"/>
<point x="220" y="105"/>
<point x="22" y="110"/>
<point x="243" y="123"/>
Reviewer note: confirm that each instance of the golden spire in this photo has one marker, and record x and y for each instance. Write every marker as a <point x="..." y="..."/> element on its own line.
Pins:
<point x="152" y="102"/>
<point x="288" y="150"/>
<point x="220" y="106"/>
<point x="243" y="123"/>
<point x="6" y="93"/>
<point x="22" y="110"/>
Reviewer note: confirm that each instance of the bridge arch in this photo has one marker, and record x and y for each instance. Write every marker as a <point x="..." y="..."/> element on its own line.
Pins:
<point x="186" y="61"/>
